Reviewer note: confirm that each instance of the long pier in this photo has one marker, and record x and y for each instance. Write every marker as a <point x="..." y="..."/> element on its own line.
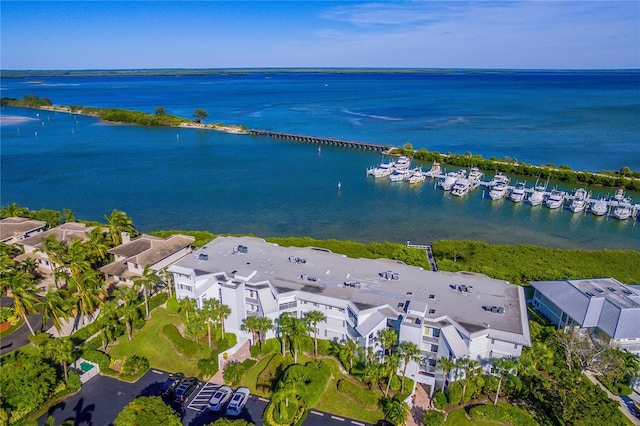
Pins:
<point x="318" y="140"/>
<point x="430" y="256"/>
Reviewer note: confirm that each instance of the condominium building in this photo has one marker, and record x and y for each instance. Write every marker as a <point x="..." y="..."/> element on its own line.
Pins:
<point x="604" y="306"/>
<point x="456" y="315"/>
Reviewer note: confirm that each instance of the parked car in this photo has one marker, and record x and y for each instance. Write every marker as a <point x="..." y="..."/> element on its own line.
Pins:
<point x="238" y="401"/>
<point x="185" y="389"/>
<point x="219" y="398"/>
<point x="170" y="385"/>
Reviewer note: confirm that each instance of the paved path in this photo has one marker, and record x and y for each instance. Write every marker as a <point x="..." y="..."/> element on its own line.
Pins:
<point x="240" y="355"/>
<point x="421" y="404"/>
<point x="626" y="403"/>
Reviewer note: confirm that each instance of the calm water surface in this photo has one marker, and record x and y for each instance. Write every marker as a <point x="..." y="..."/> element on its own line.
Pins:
<point x="197" y="179"/>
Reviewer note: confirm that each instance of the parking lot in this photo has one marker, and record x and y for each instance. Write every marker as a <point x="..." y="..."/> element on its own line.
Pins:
<point x="102" y="398"/>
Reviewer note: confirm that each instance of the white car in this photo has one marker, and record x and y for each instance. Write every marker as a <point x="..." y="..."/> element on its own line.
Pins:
<point x="219" y="398"/>
<point x="238" y="401"/>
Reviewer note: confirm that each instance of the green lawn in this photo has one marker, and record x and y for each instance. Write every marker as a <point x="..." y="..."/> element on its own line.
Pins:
<point x="458" y="417"/>
<point x="151" y="344"/>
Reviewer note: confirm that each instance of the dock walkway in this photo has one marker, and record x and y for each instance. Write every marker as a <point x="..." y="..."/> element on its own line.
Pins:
<point x="430" y="257"/>
<point x="319" y="140"/>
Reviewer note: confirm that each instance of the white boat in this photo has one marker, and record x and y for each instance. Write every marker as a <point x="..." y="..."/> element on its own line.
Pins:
<point x="403" y="163"/>
<point x="555" y="199"/>
<point x="399" y="175"/>
<point x="498" y="191"/>
<point x="475" y="174"/>
<point x="461" y="187"/>
<point x="622" y="212"/>
<point x="499" y="178"/>
<point x="580" y="200"/>
<point x="537" y="195"/>
<point x="435" y="170"/>
<point x="383" y="170"/>
<point x="416" y="176"/>
<point x="518" y="193"/>
<point x="451" y="178"/>
<point x="599" y="208"/>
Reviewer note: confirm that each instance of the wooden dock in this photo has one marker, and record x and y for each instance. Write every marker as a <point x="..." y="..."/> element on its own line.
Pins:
<point x="430" y="257"/>
<point x="319" y="140"/>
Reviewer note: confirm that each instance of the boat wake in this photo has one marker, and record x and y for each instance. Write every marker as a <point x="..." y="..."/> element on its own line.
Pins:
<point x="377" y="117"/>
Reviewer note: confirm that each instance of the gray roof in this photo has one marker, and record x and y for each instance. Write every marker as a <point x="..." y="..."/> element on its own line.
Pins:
<point x="324" y="273"/>
<point x="11" y="227"/>
<point x="603" y="302"/>
<point x="63" y="233"/>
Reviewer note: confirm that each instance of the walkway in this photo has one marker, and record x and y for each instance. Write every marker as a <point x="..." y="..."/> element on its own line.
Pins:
<point x="421" y="404"/>
<point x="240" y="355"/>
<point x="626" y="403"/>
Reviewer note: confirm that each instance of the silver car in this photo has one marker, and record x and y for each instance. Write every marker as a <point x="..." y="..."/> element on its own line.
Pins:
<point x="220" y="398"/>
<point x="238" y="401"/>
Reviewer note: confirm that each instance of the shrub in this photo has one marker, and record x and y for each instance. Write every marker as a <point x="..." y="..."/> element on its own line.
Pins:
<point x="268" y="378"/>
<point x="433" y="418"/>
<point x="208" y="366"/>
<point x="73" y="381"/>
<point x="157" y="300"/>
<point x="439" y="399"/>
<point x="314" y="374"/>
<point x="134" y="366"/>
<point x="364" y="397"/>
<point x="326" y="347"/>
<point x="270" y="346"/>
<point x="248" y="363"/>
<point x="100" y="358"/>
<point x="624" y="390"/>
<point x="7" y="314"/>
<point x="40" y="339"/>
<point x="172" y="305"/>
<point x="186" y="347"/>
<point x="395" y="383"/>
<point x="454" y="393"/>
<point x="138" y="323"/>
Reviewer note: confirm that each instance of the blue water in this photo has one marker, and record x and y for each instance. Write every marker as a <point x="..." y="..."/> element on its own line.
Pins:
<point x="198" y="179"/>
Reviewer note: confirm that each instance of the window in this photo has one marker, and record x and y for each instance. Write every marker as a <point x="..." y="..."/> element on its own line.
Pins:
<point x="353" y="317"/>
<point x="185" y="287"/>
<point x="288" y="305"/>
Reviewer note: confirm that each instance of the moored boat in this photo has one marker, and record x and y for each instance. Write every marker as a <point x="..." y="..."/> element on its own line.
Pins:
<point x="622" y="212"/>
<point x="416" y="176"/>
<point x="499" y="178"/>
<point x="599" y="208"/>
<point x="498" y="191"/>
<point x="435" y="170"/>
<point x="555" y="199"/>
<point x="579" y="201"/>
<point x="384" y="169"/>
<point x="461" y="187"/>
<point x="451" y="178"/>
<point x="518" y="193"/>
<point x="475" y="174"/>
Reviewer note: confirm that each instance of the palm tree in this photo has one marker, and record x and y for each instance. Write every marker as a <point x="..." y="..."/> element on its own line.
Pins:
<point x="409" y="351"/>
<point x="283" y="325"/>
<point x="61" y="350"/>
<point x="148" y="279"/>
<point x="55" y="306"/>
<point x="88" y="293"/>
<point x="372" y="373"/>
<point x="252" y="325"/>
<point x="391" y="363"/>
<point x="223" y="312"/>
<point x="187" y="305"/>
<point x="396" y="411"/>
<point x="387" y="338"/>
<point x="118" y="223"/>
<point x="503" y="366"/>
<point x="130" y="314"/>
<point x="264" y="324"/>
<point x="167" y="278"/>
<point x="446" y="365"/>
<point x="314" y="317"/>
<point x="208" y="311"/>
<point x="233" y="372"/>
<point x="56" y="252"/>
<point x="77" y="259"/>
<point x="13" y="210"/>
<point x="350" y="349"/>
<point x="23" y="292"/>
<point x="127" y="294"/>
<point x="97" y="246"/>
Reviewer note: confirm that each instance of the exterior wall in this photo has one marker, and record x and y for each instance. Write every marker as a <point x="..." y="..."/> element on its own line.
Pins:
<point x="547" y="308"/>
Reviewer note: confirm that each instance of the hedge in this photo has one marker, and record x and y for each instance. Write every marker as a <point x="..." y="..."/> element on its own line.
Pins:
<point x="503" y="413"/>
<point x="100" y="358"/>
<point x="268" y="378"/>
<point x="157" y="300"/>
<point x="186" y="347"/>
<point x="314" y="374"/>
<point x="364" y="397"/>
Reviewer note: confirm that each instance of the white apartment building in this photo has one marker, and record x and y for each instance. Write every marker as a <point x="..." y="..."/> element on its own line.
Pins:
<point x="454" y="315"/>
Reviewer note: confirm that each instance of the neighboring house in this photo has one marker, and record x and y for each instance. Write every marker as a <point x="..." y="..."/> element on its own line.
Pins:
<point x="454" y="315"/>
<point x="601" y="306"/>
<point x="132" y="256"/>
<point x="34" y="248"/>
<point x="15" y="229"/>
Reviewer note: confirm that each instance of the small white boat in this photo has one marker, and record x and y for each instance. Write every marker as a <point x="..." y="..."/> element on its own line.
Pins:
<point x="537" y="195"/>
<point x="518" y="193"/>
<point x="461" y="187"/>
<point x="475" y="174"/>
<point x="498" y="191"/>
<point x="416" y="176"/>
<point x="435" y="170"/>
<point x="556" y="199"/>
<point x="580" y="200"/>
<point x="399" y="175"/>
<point x="622" y="212"/>
<point x="403" y="163"/>
<point x="383" y="170"/>
<point x="599" y="208"/>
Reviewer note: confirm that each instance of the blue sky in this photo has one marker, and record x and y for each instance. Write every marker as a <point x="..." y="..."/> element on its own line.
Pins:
<point x="238" y="34"/>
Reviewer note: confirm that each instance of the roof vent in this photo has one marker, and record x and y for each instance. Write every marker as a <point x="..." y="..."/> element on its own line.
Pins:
<point x="203" y="256"/>
<point x="242" y="249"/>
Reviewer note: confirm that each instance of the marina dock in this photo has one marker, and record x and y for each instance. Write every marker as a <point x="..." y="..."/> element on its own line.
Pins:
<point x="318" y="140"/>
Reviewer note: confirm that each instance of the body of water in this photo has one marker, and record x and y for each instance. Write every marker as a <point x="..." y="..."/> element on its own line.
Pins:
<point x="167" y="178"/>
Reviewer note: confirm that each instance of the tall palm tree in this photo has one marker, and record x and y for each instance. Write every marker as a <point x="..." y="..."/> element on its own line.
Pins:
<point x="299" y="327"/>
<point x="55" y="306"/>
<point x="409" y="351"/>
<point x="147" y="280"/>
<point x="167" y="279"/>
<point x="127" y="294"/>
<point x="446" y="365"/>
<point x="187" y="305"/>
<point x="118" y="223"/>
<point x="396" y="411"/>
<point x="350" y="349"/>
<point x="220" y="313"/>
<point x="88" y="293"/>
<point x="208" y="311"/>
<point x="77" y="259"/>
<point x="23" y="291"/>
<point x="503" y="367"/>
<point x="57" y="254"/>
<point x="129" y="314"/>
<point x="314" y="317"/>
<point x="96" y="246"/>
<point x="388" y="339"/>
<point x="251" y="324"/>
<point x="61" y="350"/>
<point x="392" y="363"/>
<point x="371" y="373"/>
<point x="283" y="326"/>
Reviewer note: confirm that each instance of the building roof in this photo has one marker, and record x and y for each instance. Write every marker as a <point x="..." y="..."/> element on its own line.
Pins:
<point x="63" y="233"/>
<point x="603" y="302"/>
<point x="318" y="271"/>
<point x="16" y="227"/>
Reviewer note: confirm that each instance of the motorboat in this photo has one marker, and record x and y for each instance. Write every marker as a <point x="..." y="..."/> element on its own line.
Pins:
<point x="599" y="208"/>
<point x="403" y="163"/>
<point x="416" y="176"/>
<point x="579" y="201"/>
<point x="475" y="174"/>
<point x="461" y="187"/>
<point x="399" y="175"/>
<point x="384" y="169"/>
<point x="555" y="199"/>
<point x="622" y="212"/>
<point x="435" y="170"/>
<point x="537" y="195"/>
<point x="518" y="193"/>
<point x="498" y="191"/>
<point x="499" y="178"/>
<point x="451" y="178"/>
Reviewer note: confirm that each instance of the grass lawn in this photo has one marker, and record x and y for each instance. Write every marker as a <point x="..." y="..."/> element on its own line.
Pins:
<point x="250" y="377"/>
<point x="458" y="417"/>
<point x="151" y="344"/>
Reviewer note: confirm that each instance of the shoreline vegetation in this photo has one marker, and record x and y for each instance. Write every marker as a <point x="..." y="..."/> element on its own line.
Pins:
<point x="624" y="178"/>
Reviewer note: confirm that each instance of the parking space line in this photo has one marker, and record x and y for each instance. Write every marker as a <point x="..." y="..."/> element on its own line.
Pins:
<point x="357" y="423"/>
<point x="157" y="372"/>
<point x="317" y="413"/>
<point x="201" y="400"/>
<point x="262" y="399"/>
<point x="337" y="418"/>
